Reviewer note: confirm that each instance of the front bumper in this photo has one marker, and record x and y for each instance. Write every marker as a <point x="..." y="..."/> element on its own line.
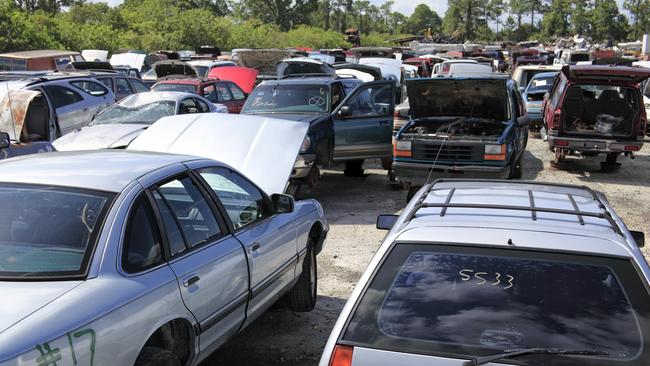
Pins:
<point x="417" y="173"/>
<point x="303" y="165"/>
<point x="592" y="145"/>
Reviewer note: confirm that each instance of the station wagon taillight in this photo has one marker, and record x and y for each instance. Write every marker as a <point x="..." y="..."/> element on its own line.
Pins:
<point x="342" y="356"/>
<point x="555" y="125"/>
<point x="643" y="120"/>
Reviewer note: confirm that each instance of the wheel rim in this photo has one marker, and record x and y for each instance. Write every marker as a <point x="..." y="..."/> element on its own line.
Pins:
<point x="312" y="276"/>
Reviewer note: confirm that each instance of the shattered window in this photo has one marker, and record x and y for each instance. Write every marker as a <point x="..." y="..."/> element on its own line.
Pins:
<point x="142" y="114"/>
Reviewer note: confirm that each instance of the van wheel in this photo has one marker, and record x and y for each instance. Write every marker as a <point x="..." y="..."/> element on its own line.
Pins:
<point x="517" y="168"/>
<point x="387" y="163"/>
<point x="354" y="168"/>
<point x="302" y="296"/>
<point x="154" y="356"/>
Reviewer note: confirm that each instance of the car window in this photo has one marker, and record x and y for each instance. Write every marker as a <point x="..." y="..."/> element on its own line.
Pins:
<point x="224" y="92"/>
<point x="437" y="299"/>
<point x="108" y="82"/>
<point x="175" y="237"/>
<point x="62" y="96"/>
<point x="62" y="247"/>
<point x="138" y="86"/>
<point x="203" y="107"/>
<point x="142" y="243"/>
<point x="90" y="87"/>
<point x="337" y="95"/>
<point x="191" y="211"/>
<point x="237" y="93"/>
<point x="244" y="203"/>
<point x="62" y="62"/>
<point x="186" y="88"/>
<point x="371" y="101"/>
<point x="288" y="98"/>
<point x="187" y="106"/>
<point x="210" y="93"/>
<point x="557" y="93"/>
<point x="122" y="86"/>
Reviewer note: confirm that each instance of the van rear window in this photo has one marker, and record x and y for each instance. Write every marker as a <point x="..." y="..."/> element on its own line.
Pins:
<point x="471" y="301"/>
<point x="12" y="64"/>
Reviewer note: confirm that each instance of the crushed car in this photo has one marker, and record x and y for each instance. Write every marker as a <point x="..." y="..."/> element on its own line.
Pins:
<point x="592" y="110"/>
<point x="116" y="126"/>
<point x="178" y="253"/>
<point x="22" y="132"/>
<point x="461" y="125"/>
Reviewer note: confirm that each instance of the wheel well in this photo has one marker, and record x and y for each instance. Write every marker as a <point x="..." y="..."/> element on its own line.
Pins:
<point x="175" y="336"/>
<point x="314" y="233"/>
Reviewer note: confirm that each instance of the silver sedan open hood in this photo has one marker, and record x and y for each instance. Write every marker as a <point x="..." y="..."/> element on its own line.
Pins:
<point x="263" y="149"/>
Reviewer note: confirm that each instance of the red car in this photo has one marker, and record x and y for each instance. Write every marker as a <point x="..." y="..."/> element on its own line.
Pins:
<point x="217" y="91"/>
<point x="593" y="110"/>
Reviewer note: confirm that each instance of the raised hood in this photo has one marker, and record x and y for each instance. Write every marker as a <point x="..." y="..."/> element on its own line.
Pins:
<point x="22" y="298"/>
<point x="99" y="136"/>
<point x="172" y="67"/>
<point x="244" y="77"/>
<point x="458" y="97"/>
<point x="263" y="149"/>
<point x="265" y="61"/>
<point x="610" y="74"/>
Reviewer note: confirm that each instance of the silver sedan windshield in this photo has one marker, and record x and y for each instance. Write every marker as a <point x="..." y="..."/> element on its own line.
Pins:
<point x="142" y="114"/>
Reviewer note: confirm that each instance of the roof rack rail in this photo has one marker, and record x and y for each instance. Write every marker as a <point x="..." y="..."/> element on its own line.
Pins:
<point x="606" y="215"/>
<point x="307" y="75"/>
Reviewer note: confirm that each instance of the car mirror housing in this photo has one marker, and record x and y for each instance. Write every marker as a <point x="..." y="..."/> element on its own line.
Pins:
<point x="639" y="238"/>
<point x="5" y="140"/>
<point x="283" y="203"/>
<point x="345" y="111"/>
<point x="386" y="222"/>
<point x="523" y="121"/>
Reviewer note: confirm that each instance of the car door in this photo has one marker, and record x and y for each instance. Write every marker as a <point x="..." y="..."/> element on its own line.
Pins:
<point x="238" y="95"/>
<point x="269" y="238"/>
<point x="96" y="97"/>
<point x="187" y="106"/>
<point x="209" y="263"/>
<point x="226" y="98"/>
<point x="363" y="122"/>
<point x="138" y="85"/>
<point x="69" y="106"/>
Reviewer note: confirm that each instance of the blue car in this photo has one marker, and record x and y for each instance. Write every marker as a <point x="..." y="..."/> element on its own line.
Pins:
<point x="534" y="97"/>
<point x="473" y="125"/>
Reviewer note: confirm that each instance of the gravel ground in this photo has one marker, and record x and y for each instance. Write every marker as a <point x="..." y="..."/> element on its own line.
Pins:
<point x="281" y="337"/>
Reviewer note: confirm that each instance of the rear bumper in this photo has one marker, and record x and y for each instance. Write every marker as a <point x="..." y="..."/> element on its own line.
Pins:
<point x="593" y="145"/>
<point x="417" y="173"/>
<point x="535" y="117"/>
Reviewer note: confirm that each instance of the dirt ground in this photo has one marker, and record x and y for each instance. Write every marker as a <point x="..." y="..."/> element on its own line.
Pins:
<point x="281" y="337"/>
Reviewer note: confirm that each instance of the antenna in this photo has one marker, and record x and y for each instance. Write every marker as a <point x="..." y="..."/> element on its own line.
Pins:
<point x="11" y="111"/>
<point x="438" y="153"/>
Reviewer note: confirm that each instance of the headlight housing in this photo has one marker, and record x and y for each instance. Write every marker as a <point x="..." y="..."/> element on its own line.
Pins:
<point x="493" y="149"/>
<point x="403" y="145"/>
<point x="306" y="144"/>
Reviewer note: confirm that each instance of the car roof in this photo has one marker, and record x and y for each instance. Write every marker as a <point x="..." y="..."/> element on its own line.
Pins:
<point x="522" y="209"/>
<point x="155" y="96"/>
<point x="103" y="170"/>
<point x="39" y="53"/>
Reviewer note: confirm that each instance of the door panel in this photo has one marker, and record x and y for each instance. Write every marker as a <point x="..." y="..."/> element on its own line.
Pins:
<point x="364" y="122"/>
<point x="69" y="105"/>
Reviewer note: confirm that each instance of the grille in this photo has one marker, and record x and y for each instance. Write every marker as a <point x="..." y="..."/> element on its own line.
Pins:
<point x="449" y="152"/>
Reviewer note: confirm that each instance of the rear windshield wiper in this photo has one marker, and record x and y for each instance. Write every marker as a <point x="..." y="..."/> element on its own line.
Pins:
<point x="476" y="361"/>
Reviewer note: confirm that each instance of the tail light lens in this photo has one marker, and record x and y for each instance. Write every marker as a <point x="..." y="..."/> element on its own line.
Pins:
<point x="556" y="120"/>
<point x="342" y="356"/>
<point x="643" y="120"/>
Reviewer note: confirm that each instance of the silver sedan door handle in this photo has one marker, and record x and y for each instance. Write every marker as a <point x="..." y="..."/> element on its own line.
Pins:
<point x="254" y="248"/>
<point x="190" y="281"/>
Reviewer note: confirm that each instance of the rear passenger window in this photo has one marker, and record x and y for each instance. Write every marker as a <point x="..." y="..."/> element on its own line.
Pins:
<point x="142" y="244"/>
<point x="188" y="106"/>
<point x="62" y="96"/>
<point x="237" y="93"/>
<point x="123" y="86"/>
<point x="557" y="92"/>
<point x="174" y="235"/>
<point x="225" y="94"/>
<point x="90" y="87"/>
<point x="108" y="82"/>
<point x="210" y="93"/>
<point x="191" y="211"/>
<point x="203" y="107"/>
<point x="139" y="86"/>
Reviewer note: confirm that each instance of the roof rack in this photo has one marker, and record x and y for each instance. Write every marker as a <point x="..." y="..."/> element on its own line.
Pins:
<point x="606" y="215"/>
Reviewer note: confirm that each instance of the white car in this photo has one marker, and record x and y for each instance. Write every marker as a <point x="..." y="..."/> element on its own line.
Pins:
<point x="499" y="273"/>
<point x="116" y="126"/>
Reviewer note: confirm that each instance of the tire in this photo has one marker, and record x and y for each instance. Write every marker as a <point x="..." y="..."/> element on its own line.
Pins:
<point x="353" y="168"/>
<point x="387" y="163"/>
<point x="516" y="168"/>
<point x="154" y="356"/>
<point x="302" y="297"/>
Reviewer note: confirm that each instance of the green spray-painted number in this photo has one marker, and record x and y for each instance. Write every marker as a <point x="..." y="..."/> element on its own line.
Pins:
<point x="50" y="357"/>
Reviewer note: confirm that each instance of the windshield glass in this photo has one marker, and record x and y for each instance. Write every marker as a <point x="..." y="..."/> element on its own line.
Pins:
<point x="478" y="301"/>
<point x="288" y="98"/>
<point x="646" y="88"/>
<point x="48" y="231"/>
<point x="187" y="88"/>
<point x="540" y="84"/>
<point x="142" y="114"/>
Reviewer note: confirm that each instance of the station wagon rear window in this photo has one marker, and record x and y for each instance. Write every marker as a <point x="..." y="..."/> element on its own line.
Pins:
<point x="470" y="301"/>
<point x="48" y="232"/>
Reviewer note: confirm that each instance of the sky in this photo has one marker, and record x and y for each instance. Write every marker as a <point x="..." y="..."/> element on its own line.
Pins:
<point x="405" y="7"/>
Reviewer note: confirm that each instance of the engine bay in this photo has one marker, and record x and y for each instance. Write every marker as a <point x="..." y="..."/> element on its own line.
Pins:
<point x="458" y="128"/>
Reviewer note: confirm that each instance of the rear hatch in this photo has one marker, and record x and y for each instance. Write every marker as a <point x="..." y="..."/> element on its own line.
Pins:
<point x="608" y="74"/>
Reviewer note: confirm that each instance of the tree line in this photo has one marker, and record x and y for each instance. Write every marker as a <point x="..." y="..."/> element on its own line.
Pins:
<point x="187" y="24"/>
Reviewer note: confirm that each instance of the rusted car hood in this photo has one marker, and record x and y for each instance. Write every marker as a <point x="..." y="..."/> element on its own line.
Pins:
<point x="100" y="136"/>
<point x="13" y="109"/>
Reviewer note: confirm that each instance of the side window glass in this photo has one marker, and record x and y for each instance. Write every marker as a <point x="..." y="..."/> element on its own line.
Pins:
<point x="123" y="86"/>
<point x="337" y="95"/>
<point x="62" y="62"/>
<point x="174" y="235"/>
<point x="191" y="211"/>
<point x="237" y="93"/>
<point x="225" y="94"/>
<point x="210" y="93"/>
<point x="188" y="106"/>
<point x="203" y="107"/>
<point x="372" y="101"/>
<point x="90" y="87"/>
<point x="142" y="243"/>
<point x="244" y="203"/>
<point x="62" y="96"/>
<point x="138" y="86"/>
<point x="108" y="82"/>
<point x="557" y="93"/>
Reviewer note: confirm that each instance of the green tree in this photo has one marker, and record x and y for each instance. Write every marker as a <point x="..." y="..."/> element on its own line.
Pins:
<point x="580" y="16"/>
<point x="607" y="23"/>
<point x="465" y="17"/>
<point x="423" y="18"/>
<point x="556" y="20"/>
<point x="283" y="13"/>
<point x="640" y="11"/>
